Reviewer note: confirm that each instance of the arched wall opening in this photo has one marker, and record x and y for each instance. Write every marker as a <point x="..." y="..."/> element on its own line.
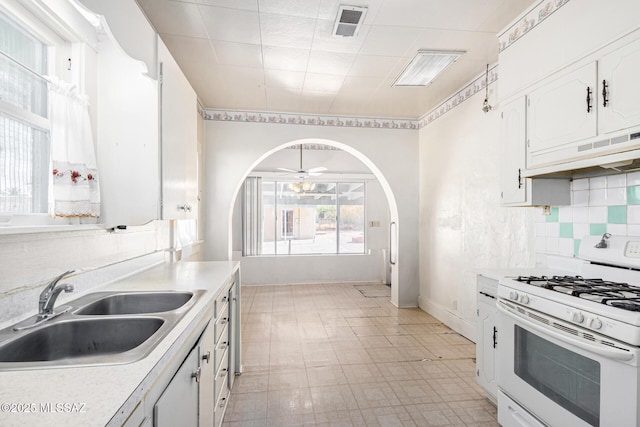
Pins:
<point x="394" y="253"/>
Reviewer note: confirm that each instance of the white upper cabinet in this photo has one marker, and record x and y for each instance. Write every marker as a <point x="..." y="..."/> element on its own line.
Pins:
<point x="619" y="89"/>
<point x="516" y="190"/>
<point x="563" y="110"/>
<point x="179" y="127"/>
<point x="512" y="140"/>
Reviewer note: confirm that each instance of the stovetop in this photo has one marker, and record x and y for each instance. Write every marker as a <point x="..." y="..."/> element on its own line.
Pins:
<point x="614" y="294"/>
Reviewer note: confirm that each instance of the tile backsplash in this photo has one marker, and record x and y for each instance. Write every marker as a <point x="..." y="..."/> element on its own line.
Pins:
<point x="606" y="204"/>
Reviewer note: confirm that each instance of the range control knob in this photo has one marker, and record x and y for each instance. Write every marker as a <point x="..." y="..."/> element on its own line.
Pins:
<point x="524" y="299"/>
<point x="577" y="317"/>
<point x="596" y="323"/>
<point x="513" y="295"/>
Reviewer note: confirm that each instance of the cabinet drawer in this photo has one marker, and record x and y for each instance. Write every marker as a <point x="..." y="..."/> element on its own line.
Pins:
<point x="222" y="377"/>
<point x="221" y="348"/>
<point x="220" y="408"/>
<point x="221" y="323"/>
<point x="221" y="301"/>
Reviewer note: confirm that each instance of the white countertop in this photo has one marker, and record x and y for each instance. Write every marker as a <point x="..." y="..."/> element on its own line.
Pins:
<point x="551" y="265"/>
<point x="106" y="394"/>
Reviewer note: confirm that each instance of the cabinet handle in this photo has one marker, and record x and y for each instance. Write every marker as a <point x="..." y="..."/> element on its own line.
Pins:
<point x="588" y="99"/>
<point x="207" y="356"/>
<point x="519" y="178"/>
<point x="487" y="295"/>
<point x="186" y="207"/>
<point x="495" y="337"/>
<point x="196" y="375"/>
<point x="605" y="93"/>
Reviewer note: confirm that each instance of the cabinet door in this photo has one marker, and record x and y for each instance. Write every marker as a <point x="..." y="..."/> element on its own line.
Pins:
<point x="178" y="405"/>
<point x="618" y="71"/>
<point x="558" y="112"/>
<point x="207" y="375"/>
<point x="513" y="139"/>
<point x="178" y="136"/>
<point x="486" y="346"/>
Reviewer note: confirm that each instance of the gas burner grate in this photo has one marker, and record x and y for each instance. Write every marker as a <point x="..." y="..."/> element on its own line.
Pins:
<point x="614" y="294"/>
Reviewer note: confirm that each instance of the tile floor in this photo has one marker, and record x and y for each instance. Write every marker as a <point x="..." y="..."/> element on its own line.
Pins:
<point x="343" y="355"/>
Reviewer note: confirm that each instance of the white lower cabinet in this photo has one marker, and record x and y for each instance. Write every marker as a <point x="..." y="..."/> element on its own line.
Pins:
<point x="194" y="391"/>
<point x="487" y="335"/>
<point x="178" y="405"/>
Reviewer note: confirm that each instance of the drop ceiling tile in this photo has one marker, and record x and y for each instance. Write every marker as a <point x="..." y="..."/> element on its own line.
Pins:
<point x="353" y="84"/>
<point x="374" y="66"/>
<point x="286" y="31"/>
<point x="329" y="62"/>
<point x="240" y="54"/>
<point x="229" y="4"/>
<point x="323" y="39"/>
<point x="350" y="105"/>
<point x="389" y="41"/>
<point x="168" y="17"/>
<point x="322" y="83"/>
<point x="279" y="99"/>
<point x="189" y="49"/>
<point x="292" y="80"/>
<point x="236" y="78"/>
<point x="316" y="102"/>
<point x="431" y="14"/>
<point x="232" y="25"/>
<point x="303" y="8"/>
<point x="509" y="10"/>
<point x="278" y="58"/>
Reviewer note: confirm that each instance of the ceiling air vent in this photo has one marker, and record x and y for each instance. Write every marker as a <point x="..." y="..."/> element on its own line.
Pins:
<point x="349" y="20"/>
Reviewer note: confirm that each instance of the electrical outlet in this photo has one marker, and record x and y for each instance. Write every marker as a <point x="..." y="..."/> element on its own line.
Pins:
<point x="546" y="210"/>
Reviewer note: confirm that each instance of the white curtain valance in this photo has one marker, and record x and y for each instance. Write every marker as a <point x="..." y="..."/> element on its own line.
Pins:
<point x="73" y="189"/>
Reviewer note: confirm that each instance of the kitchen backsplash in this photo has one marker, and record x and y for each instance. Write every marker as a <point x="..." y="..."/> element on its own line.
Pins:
<point x="606" y="204"/>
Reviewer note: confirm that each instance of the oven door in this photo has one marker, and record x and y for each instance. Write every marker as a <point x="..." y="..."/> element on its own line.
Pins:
<point x="563" y="375"/>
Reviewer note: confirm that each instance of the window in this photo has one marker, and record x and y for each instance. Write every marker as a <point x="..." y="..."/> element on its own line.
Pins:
<point x="311" y="218"/>
<point x="24" y="133"/>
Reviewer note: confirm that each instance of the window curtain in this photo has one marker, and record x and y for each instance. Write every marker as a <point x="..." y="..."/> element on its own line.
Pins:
<point x="252" y="217"/>
<point x="73" y="189"/>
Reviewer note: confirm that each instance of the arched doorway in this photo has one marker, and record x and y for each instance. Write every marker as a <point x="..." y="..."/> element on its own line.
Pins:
<point x="394" y="254"/>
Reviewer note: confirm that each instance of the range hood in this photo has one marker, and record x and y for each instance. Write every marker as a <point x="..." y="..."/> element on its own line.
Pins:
<point x="620" y="161"/>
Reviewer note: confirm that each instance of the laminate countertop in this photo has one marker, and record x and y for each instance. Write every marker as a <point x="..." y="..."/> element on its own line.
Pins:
<point x="106" y="394"/>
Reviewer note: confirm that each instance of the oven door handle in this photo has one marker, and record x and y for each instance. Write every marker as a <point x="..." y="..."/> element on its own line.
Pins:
<point x="602" y="351"/>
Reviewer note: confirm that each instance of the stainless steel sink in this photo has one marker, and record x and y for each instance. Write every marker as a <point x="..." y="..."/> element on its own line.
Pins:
<point x="136" y="303"/>
<point x="76" y="338"/>
<point x="98" y="328"/>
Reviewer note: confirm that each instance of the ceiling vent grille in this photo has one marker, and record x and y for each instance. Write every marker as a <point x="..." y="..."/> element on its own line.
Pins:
<point x="349" y="20"/>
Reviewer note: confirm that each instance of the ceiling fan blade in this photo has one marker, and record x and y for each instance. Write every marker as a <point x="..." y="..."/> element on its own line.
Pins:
<point x="315" y="173"/>
<point x="318" y="169"/>
<point x="287" y="170"/>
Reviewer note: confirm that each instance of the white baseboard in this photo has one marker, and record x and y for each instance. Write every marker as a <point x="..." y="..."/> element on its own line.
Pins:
<point x="463" y="327"/>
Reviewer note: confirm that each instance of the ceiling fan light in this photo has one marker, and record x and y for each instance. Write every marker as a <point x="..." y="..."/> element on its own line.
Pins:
<point x="425" y="66"/>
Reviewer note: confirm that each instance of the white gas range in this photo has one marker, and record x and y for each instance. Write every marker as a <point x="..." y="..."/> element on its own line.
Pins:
<point x="569" y="346"/>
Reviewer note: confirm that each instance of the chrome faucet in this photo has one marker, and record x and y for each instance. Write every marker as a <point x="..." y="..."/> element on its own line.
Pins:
<point x="49" y="295"/>
<point x="602" y="244"/>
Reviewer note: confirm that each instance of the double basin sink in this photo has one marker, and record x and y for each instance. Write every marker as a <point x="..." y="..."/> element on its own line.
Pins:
<point x="99" y="328"/>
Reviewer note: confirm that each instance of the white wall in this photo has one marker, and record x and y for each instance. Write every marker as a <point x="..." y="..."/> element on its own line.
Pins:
<point x="462" y="225"/>
<point x="233" y="148"/>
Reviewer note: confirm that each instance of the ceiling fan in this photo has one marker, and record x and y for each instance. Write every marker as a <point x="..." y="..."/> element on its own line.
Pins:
<point x="302" y="173"/>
